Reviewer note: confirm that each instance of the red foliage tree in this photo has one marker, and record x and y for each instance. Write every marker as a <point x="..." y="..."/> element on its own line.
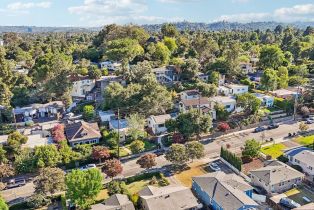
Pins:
<point x="100" y="152"/>
<point x="147" y="161"/>
<point x="177" y="138"/>
<point x="112" y="167"/>
<point x="57" y="133"/>
<point x="223" y="126"/>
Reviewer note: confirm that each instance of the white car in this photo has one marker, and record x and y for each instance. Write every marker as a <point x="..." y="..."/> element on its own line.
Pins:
<point x="88" y="166"/>
<point x="214" y="167"/>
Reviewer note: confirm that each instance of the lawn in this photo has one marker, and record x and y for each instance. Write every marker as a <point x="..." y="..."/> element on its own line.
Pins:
<point x="274" y="150"/>
<point x="149" y="145"/>
<point x="305" y="140"/>
<point x="297" y="195"/>
<point x="103" y="195"/>
<point x="123" y="152"/>
<point x="135" y="187"/>
<point x="185" y="177"/>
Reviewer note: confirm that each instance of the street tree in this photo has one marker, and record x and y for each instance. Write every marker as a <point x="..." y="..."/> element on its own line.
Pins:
<point x="15" y="140"/>
<point x="82" y="187"/>
<point x="47" y="155"/>
<point x="147" y="161"/>
<point x="194" y="150"/>
<point x="177" y="154"/>
<point x="137" y="146"/>
<point x="6" y="171"/>
<point x="112" y="167"/>
<point x="100" y="153"/>
<point x="303" y="127"/>
<point x="50" y="180"/>
<point x="251" y="149"/>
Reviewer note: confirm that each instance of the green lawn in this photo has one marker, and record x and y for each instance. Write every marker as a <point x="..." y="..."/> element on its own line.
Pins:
<point x="135" y="187"/>
<point x="123" y="152"/>
<point x="305" y="140"/>
<point x="149" y="145"/>
<point x="273" y="150"/>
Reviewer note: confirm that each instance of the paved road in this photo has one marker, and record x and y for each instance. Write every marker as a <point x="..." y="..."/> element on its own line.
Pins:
<point x="212" y="150"/>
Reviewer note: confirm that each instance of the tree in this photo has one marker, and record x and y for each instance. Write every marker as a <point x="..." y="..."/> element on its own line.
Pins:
<point x="82" y="187"/>
<point x="5" y="94"/>
<point x="249" y="102"/>
<point x="283" y="77"/>
<point x="5" y="171"/>
<point x="50" y="180"/>
<point x="171" y="44"/>
<point x="100" y="152"/>
<point x="177" y="154"/>
<point x="136" y="125"/>
<point x="194" y="150"/>
<point x="3" y="205"/>
<point x="190" y="69"/>
<point x="47" y="155"/>
<point x="88" y="112"/>
<point x="37" y="201"/>
<point x="207" y="90"/>
<point x="117" y="187"/>
<point x="25" y="161"/>
<point x="112" y="167"/>
<point x="57" y="133"/>
<point x="304" y="110"/>
<point x="169" y="30"/>
<point x="303" y="127"/>
<point x="221" y="112"/>
<point x="269" y="79"/>
<point x="3" y="157"/>
<point x="94" y="72"/>
<point x="147" y="161"/>
<point x="271" y="57"/>
<point x="66" y="152"/>
<point x="15" y="140"/>
<point x="251" y="149"/>
<point x="159" y="52"/>
<point x="137" y="146"/>
<point x="223" y="126"/>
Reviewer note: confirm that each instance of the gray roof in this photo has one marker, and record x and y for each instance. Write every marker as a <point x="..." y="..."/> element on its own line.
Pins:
<point x="226" y="190"/>
<point x="160" y="119"/>
<point x="81" y="130"/>
<point x="117" y="201"/>
<point x="275" y="172"/>
<point x="168" y="198"/>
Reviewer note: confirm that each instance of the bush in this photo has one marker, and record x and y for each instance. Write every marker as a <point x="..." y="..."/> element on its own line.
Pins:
<point x="223" y="126"/>
<point x="143" y="177"/>
<point x="153" y="181"/>
<point x="37" y="200"/>
<point x="283" y="159"/>
<point x="231" y="158"/>
<point x="117" y="187"/>
<point x="163" y="181"/>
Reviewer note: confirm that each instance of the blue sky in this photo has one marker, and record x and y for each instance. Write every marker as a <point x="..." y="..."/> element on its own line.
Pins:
<point x="101" y="12"/>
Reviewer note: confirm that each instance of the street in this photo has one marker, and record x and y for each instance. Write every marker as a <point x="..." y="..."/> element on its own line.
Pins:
<point x="212" y="150"/>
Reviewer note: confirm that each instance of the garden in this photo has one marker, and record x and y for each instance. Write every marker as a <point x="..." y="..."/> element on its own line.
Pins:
<point x="275" y="150"/>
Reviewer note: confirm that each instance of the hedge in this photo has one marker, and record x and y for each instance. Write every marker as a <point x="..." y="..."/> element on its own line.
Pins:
<point x="231" y="158"/>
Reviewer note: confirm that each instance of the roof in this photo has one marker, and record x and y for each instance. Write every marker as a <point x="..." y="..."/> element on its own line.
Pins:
<point x="308" y="206"/>
<point x="294" y="151"/>
<point x="123" y="123"/>
<point x="169" y="197"/>
<point x="77" y="77"/>
<point x="191" y="92"/>
<point x="3" y="139"/>
<point x="236" y="86"/>
<point x="228" y="190"/>
<point x="306" y="157"/>
<point x="161" y="119"/>
<point x="32" y="107"/>
<point x="81" y="130"/>
<point x="195" y="102"/>
<point x="117" y="201"/>
<point x="276" y="172"/>
<point x="281" y="92"/>
<point x="223" y="99"/>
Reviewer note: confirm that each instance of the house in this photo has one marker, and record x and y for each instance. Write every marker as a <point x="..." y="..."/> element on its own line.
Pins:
<point x="228" y="102"/>
<point x="221" y="79"/>
<point x="203" y="103"/>
<point x="235" y="89"/>
<point x="303" y="157"/>
<point x="220" y="191"/>
<point x="189" y="94"/>
<point x="1" y="42"/>
<point x="111" y="66"/>
<point x="81" y="87"/>
<point x="106" y="116"/>
<point x="308" y="206"/>
<point x="202" y="76"/>
<point x="276" y="177"/>
<point x="120" y="126"/>
<point x="38" y="112"/>
<point x="284" y="93"/>
<point x="266" y="100"/>
<point x="246" y="68"/>
<point x="157" y="123"/>
<point x="81" y="132"/>
<point x="20" y="69"/>
<point x="104" y="81"/>
<point x="166" y="74"/>
<point x="168" y="198"/>
<point x="115" y="202"/>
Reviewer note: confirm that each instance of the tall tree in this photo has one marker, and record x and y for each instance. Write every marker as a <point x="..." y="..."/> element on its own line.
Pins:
<point x="88" y="112"/>
<point x="47" y="155"/>
<point x="269" y="79"/>
<point x="50" y="180"/>
<point x="283" y="77"/>
<point x="271" y="57"/>
<point x="194" y="150"/>
<point x="177" y="154"/>
<point x="147" y="161"/>
<point x="15" y="140"/>
<point x="100" y="152"/>
<point x="136" y="125"/>
<point x="249" y="102"/>
<point x="112" y="167"/>
<point x="251" y="149"/>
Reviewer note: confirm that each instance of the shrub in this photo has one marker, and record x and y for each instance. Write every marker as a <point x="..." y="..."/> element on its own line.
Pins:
<point x="297" y="167"/>
<point x="283" y="159"/>
<point x="223" y="126"/>
<point x="143" y="177"/>
<point x="231" y="158"/>
<point x="37" y="200"/>
<point x="153" y="181"/>
<point x="117" y="187"/>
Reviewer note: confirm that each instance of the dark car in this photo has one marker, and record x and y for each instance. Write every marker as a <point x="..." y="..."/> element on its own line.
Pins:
<point x="272" y="126"/>
<point x="287" y="202"/>
<point x="259" y="129"/>
<point x="18" y="182"/>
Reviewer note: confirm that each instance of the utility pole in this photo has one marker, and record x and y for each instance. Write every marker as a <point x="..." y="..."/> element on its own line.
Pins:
<point x="199" y="114"/>
<point x="296" y="104"/>
<point x="118" y="133"/>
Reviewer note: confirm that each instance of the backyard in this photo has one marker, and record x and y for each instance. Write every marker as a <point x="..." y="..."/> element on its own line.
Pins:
<point x="274" y="150"/>
<point x="300" y="195"/>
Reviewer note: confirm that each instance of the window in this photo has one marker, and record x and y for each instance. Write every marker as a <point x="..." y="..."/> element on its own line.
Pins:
<point x="311" y="168"/>
<point x="227" y="106"/>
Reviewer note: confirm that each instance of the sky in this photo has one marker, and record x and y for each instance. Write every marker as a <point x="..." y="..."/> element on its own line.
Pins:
<point x="91" y="13"/>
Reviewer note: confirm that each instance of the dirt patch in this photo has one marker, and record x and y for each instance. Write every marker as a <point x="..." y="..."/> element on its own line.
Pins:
<point x="254" y="164"/>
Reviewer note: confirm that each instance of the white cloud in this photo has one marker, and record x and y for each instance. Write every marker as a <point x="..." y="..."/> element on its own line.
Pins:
<point x="179" y="1"/>
<point x="28" y="5"/>
<point x="304" y="12"/>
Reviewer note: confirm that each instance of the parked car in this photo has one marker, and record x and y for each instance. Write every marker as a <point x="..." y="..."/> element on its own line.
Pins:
<point x="272" y="126"/>
<point x="287" y="202"/>
<point x="88" y="166"/>
<point x="259" y="129"/>
<point x="214" y="167"/>
<point x="309" y="121"/>
<point x="18" y="182"/>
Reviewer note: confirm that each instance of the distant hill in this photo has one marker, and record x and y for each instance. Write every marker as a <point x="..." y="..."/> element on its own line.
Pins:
<point x="217" y="26"/>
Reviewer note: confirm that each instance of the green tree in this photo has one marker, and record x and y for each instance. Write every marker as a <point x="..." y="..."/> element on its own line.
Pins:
<point x="271" y="57"/>
<point x="169" y="30"/>
<point x="159" y="53"/>
<point x="82" y="187"/>
<point x="88" y="112"/>
<point x="171" y="44"/>
<point x="66" y="152"/>
<point x="249" y="102"/>
<point x="251" y="149"/>
<point x="177" y="154"/>
<point x="5" y="94"/>
<point x="94" y="72"/>
<point x="5" y="171"/>
<point x="15" y="140"/>
<point x="3" y="157"/>
<point x="190" y="69"/>
<point x="25" y="161"/>
<point x="137" y="146"/>
<point x="47" y="155"/>
<point x="194" y="150"/>
<point x="136" y="125"/>
<point x="269" y="79"/>
<point x="3" y="205"/>
<point x="283" y="77"/>
<point x="117" y="187"/>
<point x="50" y="180"/>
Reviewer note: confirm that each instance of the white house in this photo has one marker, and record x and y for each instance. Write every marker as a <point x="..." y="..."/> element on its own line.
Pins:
<point x="227" y="101"/>
<point x="267" y="101"/>
<point x="81" y="86"/>
<point x="1" y="42"/>
<point x="111" y="66"/>
<point x="237" y="89"/>
<point x="157" y="123"/>
<point x="189" y="94"/>
<point x="203" y="103"/>
<point x="303" y="157"/>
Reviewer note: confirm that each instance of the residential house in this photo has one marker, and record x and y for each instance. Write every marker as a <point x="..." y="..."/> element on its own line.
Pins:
<point x="246" y="68"/>
<point x="168" y="198"/>
<point x="284" y="93"/>
<point x="189" y="94"/>
<point x="166" y="74"/>
<point x="120" y="126"/>
<point x="38" y="112"/>
<point x="309" y="206"/>
<point x="106" y="116"/>
<point x="111" y="66"/>
<point x="1" y="42"/>
<point x="81" y="132"/>
<point x="236" y="89"/>
<point x="276" y="177"/>
<point x="20" y="69"/>
<point x="220" y="191"/>
<point x="81" y="87"/>
<point x="115" y="202"/>
<point x="202" y="103"/>
<point x="221" y="79"/>
<point x="229" y="102"/>
<point x="157" y="123"/>
<point x="202" y="76"/>
<point x="303" y="157"/>
<point x="266" y="100"/>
